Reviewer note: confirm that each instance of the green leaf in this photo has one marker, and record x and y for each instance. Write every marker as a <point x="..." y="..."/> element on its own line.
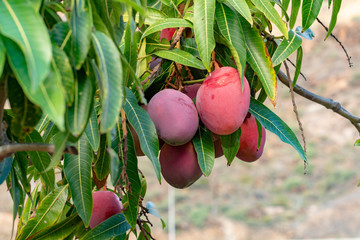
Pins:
<point x="59" y="140"/>
<point x="111" y="227"/>
<point x="310" y="10"/>
<point x="48" y="212"/>
<point x="47" y="96"/>
<point x="21" y="24"/>
<point x="130" y="52"/>
<point x="204" y="11"/>
<point x="295" y="6"/>
<point x="26" y="113"/>
<point x="230" y="145"/>
<point x="92" y="131"/>
<point x="286" y="48"/>
<point x="242" y="7"/>
<point x="21" y="163"/>
<point x="131" y="198"/>
<point x="145" y="128"/>
<point x="103" y="160"/>
<point x="41" y="160"/>
<point x="63" y="64"/>
<point x="78" y="114"/>
<point x="181" y="57"/>
<point x="299" y="57"/>
<point x="357" y="143"/>
<point x="204" y="148"/>
<point x="61" y="35"/>
<point x="260" y="61"/>
<point x="5" y="167"/>
<point x="134" y="5"/>
<point x="335" y="11"/>
<point x="230" y="28"/>
<point x="59" y="230"/>
<point x="80" y="25"/>
<point x="270" y="12"/>
<point x="2" y="56"/>
<point x="77" y="170"/>
<point x="166" y="23"/>
<point x="154" y="15"/>
<point x="274" y="124"/>
<point x="110" y="82"/>
<point x="16" y="194"/>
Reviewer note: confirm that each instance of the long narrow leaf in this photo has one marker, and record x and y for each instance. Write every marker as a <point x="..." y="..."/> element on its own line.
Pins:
<point x="242" y="7"/>
<point x="166" y="23"/>
<point x="286" y="48"/>
<point x="274" y="124"/>
<point x="181" y="57"/>
<point x="204" y="148"/>
<point x="111" y="82"/>
<point x="23" y="25"/>
<point x="204" y="11"/>
<point x="335" y="11"/>
<point x="295" y="6"/>
<point x="77" y="170"/>
<point x="310" y="10"/>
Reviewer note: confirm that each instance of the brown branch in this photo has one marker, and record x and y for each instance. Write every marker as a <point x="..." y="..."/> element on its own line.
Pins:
<point x="338" y="41"/>
<point x="9" y="149"/>
<point x="157" y="67"/>
<point x="296" y="112"/>
<point x="326" y="102"/>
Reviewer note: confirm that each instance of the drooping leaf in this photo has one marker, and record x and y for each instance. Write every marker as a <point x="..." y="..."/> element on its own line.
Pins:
<point x="77" y="115"/>
<point x="295" y="6"/>
<point x="134" y="5"/>
<point x="21" y="163"/>
<point x="154" y="15"/>
<point x="110" y="82"/>
<point x="145" y="128"/>
<point x="130" y="52"/>
<point x="16" y="194"/>
<point x="63" y="64"/>
<point x="59" y="230"/>
<point x="181" y="57"/>
<point x="48" y="212"/>
<point x="299" y="57"/>
<point x="131" y="198"/>
<point x="204" y="148"/>
<point x="77" y="170"/>
<point x="270" y="12"/>
<point x="230" y="28"/>
<point x="230" y="145"/>
<point x="80" y="25"/>
<point x="335" y="11"/>
<point x="23" y="25"/>
<point x="59" y="140"/>
<point x="5" y="167"/>
<point x="111" y="227"/>
<point x="47" y="95"/>
<point x="242" y="7"/>
<point x="61" y="35"/>
<point x="259" y="60"/>
<point x="26" y="113"/>
<point x="102" y="162"/>
<point x="166" y="23"/>
<point x="310" y="10"/>
<point x="274" y="124"/>
<point x="41" y="160"/>
<point x="92" y="131"/>
<point x="286" y="48"/>
<point x="204" y="11"/>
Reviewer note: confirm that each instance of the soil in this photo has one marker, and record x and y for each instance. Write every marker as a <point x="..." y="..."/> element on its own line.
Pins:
<point x="272" y="198"/>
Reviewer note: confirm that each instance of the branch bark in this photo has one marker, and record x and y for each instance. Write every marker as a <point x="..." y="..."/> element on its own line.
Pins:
<point x="7" y="150"/>
<point x="157" y="67"/>
<point x="326" y="102"/>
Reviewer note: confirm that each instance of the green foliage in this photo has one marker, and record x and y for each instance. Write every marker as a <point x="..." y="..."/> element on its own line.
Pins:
<point x="77" y="72"/>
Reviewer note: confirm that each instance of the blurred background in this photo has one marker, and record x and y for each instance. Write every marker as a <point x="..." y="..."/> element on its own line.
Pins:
<point x="272" y="198"/>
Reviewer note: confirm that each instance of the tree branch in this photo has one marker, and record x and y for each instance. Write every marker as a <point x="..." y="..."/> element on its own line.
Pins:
<point x="326" y="102"/>
<point x="157" y="67"/>
<point x="9" y="149"/>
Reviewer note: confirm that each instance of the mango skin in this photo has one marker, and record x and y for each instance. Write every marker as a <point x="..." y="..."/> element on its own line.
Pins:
<point x="174" y="115"/>
<point x="167" y="33"/>
<point x="105" y="205"/>
<point x="248" y="151"/>
<point x="191" y="90"/>
<point x="221" y="103"/>
<point x="179" y="165"/>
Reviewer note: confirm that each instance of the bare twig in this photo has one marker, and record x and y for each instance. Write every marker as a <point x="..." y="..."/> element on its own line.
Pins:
<point x="326" y="102"/>
<point x="7" y="150"/>
<point x="157" y="67"/>
<point x="338" y="41"/>
<point x="296" y="112"/>
<point x="295" y="67"/>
